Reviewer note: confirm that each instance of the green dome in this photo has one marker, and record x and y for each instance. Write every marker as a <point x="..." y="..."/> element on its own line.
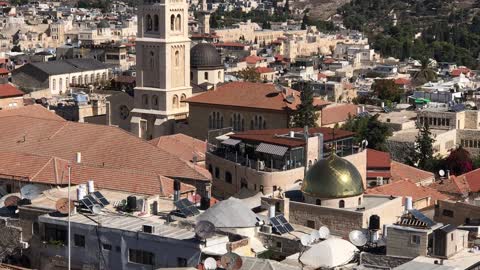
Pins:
<point x="332" y="178"/>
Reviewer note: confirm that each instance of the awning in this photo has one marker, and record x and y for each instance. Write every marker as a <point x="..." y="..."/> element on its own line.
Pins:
<point x="231" y="142"/>
<point x="272" y="149"/>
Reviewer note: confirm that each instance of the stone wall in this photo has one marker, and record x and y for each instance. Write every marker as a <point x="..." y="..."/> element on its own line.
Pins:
<point x="455" y="213"/>
<point x="281" y="245"/>
<point x="10" y="237"/>
<point x="400" y="243"/>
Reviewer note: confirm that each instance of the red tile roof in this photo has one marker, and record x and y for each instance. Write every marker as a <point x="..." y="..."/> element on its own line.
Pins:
<point x="7" y="90"/>
<point x="457" y="186"/>
<point x="264" y="70"/>
<point x="375" y="174"/>
<point x="473" y="180"/>
<point x="402" y="81"/>
<point x="250" y="95"/>
<point x="321" y="76"/>
<point x="52" y="170"/>
<point x="460" y="70"/>
<point x="402" y="171"/>
<point x="408" y="188"/>
<point x="104" y="146"/>
<point x="328" y="61"/>
<point x="271" y="135"/>
<point x="253" y="59"/>
<point x="377" y="159"/>
<point x="338" y="113"/>
<point x="4" y="71"/>
<point x="34" y="111"/>
<point x="182" y="146"/>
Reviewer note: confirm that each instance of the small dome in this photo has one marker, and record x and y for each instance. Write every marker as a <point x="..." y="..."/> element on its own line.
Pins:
<point x="103" y="24"/>
<point x="205" y="55"/>
<point x="332" y="178"/>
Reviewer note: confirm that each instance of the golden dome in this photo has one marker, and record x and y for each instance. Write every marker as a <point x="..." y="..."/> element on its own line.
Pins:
<point x="331" y="178"/>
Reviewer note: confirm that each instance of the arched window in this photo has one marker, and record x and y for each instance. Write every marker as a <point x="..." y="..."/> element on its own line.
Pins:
<point x="183" y="97"/>
<point x="219" y="75"/>
<point x="85" y="79"/>
<point x="177" y="58"/>
<point x="360" y="201"/>
<point x="74" y="80"/>
<point x="54" y="84"/>
<point x="210" y="122"/>
<point x="172" y="22"/>
<point x="205" y="75"/>
<point x="60" y="84"/>
<point x="80" y="79"/>
<point x="145" y="99"/>
<point x="228" y="177"/>
<point x="104" y="76"/>
<point x="149" y="23"/>
<point x="152" y="60"/>
<point x="175" y="101"/>
<point x="191" y="75"/>
<point x="252" y="124"/>
<point x="97" y="78"/>
<point x="178" y="24"/>
<point x="155" y="101"/>
<point x="318" y="202"/>
<point x="243" y="125"/>
<point x="155" y="23"/>
<point x="341" y="204"/>
<point x="92" y="78"/>
<point x="217" y="172"/>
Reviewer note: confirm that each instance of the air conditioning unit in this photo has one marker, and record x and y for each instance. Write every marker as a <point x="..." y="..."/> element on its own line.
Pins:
<point x="148" y="229"/>
<point x="379" y="181"/>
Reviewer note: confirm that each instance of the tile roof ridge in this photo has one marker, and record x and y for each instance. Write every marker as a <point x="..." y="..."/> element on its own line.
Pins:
<point x="41" y="169"/>
<point x="56" y="132"/>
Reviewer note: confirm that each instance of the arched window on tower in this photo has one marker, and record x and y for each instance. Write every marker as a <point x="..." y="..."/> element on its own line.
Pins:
<point x="178" y="23"/>
<point x="155" y="101"/>
<point x="152" y="60"/>
<point x="145" y="100"/>
<point x="172" y="22"/>
<point x="177" y="58"/>
<point x="155" y="23"/>
<point x="175" y="101"/>
<point x="183" y="97"/>
<point x="149" y="23"/>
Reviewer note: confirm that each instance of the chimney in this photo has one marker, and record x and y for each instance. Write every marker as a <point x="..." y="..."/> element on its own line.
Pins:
<point x="176" y="190"/>
<point x="320" y="145"/>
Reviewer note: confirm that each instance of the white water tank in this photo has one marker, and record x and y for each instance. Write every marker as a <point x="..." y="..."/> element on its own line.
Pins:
<point x="91" y="186"/>
<point x="81" y="192"/>
<point x="271" y="211"/>
<point x="408" y="203"/>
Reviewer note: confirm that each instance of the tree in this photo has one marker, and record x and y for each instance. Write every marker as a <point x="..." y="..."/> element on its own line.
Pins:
<point x="387" y="90"/>
<point x="16" y="48"/>
<point x="249" y="74"/>
<point x="369" y="129"/>
<point x="425" y="74"/>
<point x="421" y="154"/>
<point x="459" y="161"/>
<point x="304" y="22"/>
<point x="305" y="114"/>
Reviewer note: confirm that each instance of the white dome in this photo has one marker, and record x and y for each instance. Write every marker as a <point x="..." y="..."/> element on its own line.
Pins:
<point x="325" y="254"/>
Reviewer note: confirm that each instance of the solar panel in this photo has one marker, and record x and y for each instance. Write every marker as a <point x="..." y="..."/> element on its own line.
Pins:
<point x="87" y="203"/>
<point x="421" y="217"/>
<point x="186" y="207"/>
<point x="281" y="225"/>
<point x="101" y="198"/>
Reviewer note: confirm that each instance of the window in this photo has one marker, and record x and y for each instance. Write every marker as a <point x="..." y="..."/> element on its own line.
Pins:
<point x="54" y="84"/>
<point x="60" y="84"/>
<point x="181" y="262"/>
<point x="141" y="256"/>
<point x="172" y="22"/>
<point x="217" y="172"/>
<point x="415" y="239"/>
<point x="205" y="75"/>
<point x="149" y="23"/>
<point x="9" y="188"/>
<point x="182" y="100"/>
<point x="177" y="58"/>
<point x="219" y="75"/>
<point x="175" y="101"/>
<point x="155" y="101"/>
<point x="55" y="233"/>
<point x="311" y="224"/>
<point x="155" y="23"/>
<point x="274" y="188"/>
<point x="341" y="204"/>
<point x="35" y="228"/>
<point x="451" y="237"/>
<point x="85" y="79"/>
<point x="79" y="240"/>
<point x="106" y="246"/>
<point x="210" y="168"/>
<point x="145" y="99"/>
<point x="228" y="177"/>
<point x="447" y="213"/>
<point x="152" y="60"/>
<point x="178" y="24"/>
<point x="279" y="245"/>
<point x="318" y="202"/>
<point x="261" y="188"/>
<point x="359" y="201"/>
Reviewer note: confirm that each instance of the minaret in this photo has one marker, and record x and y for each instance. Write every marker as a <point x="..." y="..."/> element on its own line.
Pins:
<point x="163" y="69"/>
<point x="204" y="19"/>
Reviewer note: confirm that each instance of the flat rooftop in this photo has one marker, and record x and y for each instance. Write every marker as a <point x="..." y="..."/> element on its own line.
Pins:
<point x="409" y="135"/>
<point x="462" y="260"/>
<point x="399" y="117"/>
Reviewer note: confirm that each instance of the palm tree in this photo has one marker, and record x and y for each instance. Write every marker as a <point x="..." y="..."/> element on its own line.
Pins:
<point x="425" y="74"/>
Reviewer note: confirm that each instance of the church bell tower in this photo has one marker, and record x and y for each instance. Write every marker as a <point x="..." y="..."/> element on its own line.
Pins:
<point x="163" y="68"/>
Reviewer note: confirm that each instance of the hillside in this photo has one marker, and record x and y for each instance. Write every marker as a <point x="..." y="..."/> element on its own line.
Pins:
<point x="321" y="9"/>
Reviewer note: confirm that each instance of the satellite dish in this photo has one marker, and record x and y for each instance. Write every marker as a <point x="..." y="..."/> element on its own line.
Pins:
<point x="96" y="209"/>
<point x="314" y="236"/>
<point x="441" y="173"/>
<point x="231" y="261"/>
<point x="324" y="232"/>
<point x="12" y="201"/>
<point x="204" y="229"/>
<point x="30" y="191"/>
<point x="62" y="206"/>
<point x="305" y="240"/>
<point x="210" y="263"/>
<point x="358" y="238"/>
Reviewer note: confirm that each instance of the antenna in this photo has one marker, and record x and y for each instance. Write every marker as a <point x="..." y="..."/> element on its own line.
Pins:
<point x="30" y="191"/>
<point x="324" y="232"/>
<point x="231" y="261"/>
<point x="210" y="263"/>
<point x="96" y="209"/>
<point x="441" y="173"/>
<point x="62" y="206"/>
<point x="358" y="238"/>
<point x="204" y="229"/>
<point x="305" y="240"/>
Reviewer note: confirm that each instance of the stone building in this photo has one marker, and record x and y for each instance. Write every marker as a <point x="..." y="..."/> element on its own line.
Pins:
<point x="206" y="68"/>
<point x="10" y="96"/>
<point x="163" y="72"/>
